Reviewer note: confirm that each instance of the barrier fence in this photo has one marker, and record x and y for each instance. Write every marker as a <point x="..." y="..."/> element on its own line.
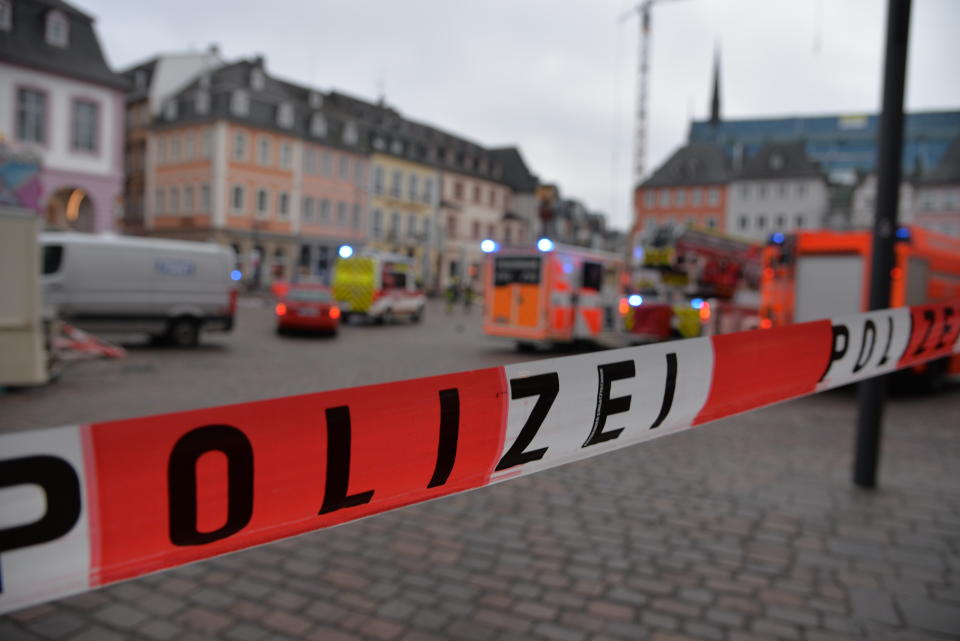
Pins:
<point x="83" y="506"/>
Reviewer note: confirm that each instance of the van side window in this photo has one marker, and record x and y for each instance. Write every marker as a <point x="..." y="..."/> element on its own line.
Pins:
<point x="52" y="258"/>
<point x="592" y="276"/>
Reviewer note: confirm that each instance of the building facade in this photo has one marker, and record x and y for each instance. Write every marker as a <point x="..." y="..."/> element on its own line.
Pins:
<point x="938" y="194"/>
<point x="689" y="189"/>
<point x="863" y="201"/>
<point x="61" y="102"/>
<point x="778" y="189"/>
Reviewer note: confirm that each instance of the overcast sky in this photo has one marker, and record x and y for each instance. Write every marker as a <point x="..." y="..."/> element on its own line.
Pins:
<point x="558" y="77"/>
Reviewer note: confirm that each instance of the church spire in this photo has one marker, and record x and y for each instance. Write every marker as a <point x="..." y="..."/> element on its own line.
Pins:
<point x="715" y="101"/>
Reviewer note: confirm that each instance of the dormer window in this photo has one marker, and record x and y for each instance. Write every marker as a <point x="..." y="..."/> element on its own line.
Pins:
<point x="170" y="110"/>
<point x="257" y="80"/>
<point x="316" y="100"/>
<point x="58" y="29"/>
<point x="318" y="125"/>
<point x="204" y="81"/>
<point x="240" y="102"/>
<point x="379" y="143"/>
<point x="6" y="15"/>
<point x="397" y="147"/>
<point x="350" y="134"/>
<point x="140" y="79"/>
<point x="285" y="115"/>
<point x="202" y="102"/>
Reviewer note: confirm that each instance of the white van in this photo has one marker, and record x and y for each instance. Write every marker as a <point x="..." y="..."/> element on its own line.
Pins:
<point x="169" y="289"/>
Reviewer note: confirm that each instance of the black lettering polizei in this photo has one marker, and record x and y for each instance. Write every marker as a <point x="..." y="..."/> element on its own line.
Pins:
<point x="449" y="433"/>
<point x="886" y="350"/>
<point x="869" y="335"/>
<point x="837" y="352"/>
<point x="930" y="317"/>
<point x="182" y="482"/>
<point x="546" y="387"/>
<point x="607" y="373"/>
<point x="61" y="489"/>
<point x="669" y="389"/>
<point x="335" y="495"/>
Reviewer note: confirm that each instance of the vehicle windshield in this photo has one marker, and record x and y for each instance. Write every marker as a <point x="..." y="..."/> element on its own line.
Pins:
<point x="309" y="295"/>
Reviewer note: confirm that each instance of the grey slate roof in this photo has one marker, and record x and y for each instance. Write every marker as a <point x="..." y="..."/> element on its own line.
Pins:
<point x="947" y="172"/>
<point x="82" y="58"/>
<point x="780" y="160"/>
<point x="515" y="171"/>
<point x="696" y="163"/>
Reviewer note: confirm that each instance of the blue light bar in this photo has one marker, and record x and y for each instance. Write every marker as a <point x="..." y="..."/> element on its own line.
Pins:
<point x="345" y="251"/>
<point x="488" y="246"/>
<point x="696" y="303"/>
<point x="903" y="233"/>
<point x="635" y="300"/>
<point x="236" y="274"/>
<point x="777" y="238"/>
<point x="545" y="245"/>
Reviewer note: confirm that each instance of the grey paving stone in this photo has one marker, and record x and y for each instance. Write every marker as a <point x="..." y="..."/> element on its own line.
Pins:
<point x="556" y="632"/>
<point x="121" y="616"/>
<point x="160" y="630"/>
<point x="245" y="632"/>
<point x="58" y="625"/>
<point x="929" y="615"/>
<point x="873" y="605"/>
<point x="97" y="633"/>
<point x="9" y="631"/>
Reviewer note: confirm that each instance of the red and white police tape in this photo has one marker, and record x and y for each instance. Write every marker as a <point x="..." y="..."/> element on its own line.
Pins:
<point x="83" y="506"/>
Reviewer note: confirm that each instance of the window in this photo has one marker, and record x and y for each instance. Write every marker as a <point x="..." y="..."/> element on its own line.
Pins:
<point x="310" y="161"/>
<point x="713" y="196"/>
<point x="426" y="227"/>
<point x="257" y="80"/>
<point x="491" y="232"/>
<point x="451" y="227"/>
<point x="283" y="205"/>
<point x="188" y="143"/>
<point x="324" y="211"/>
<point x="240" y="146"/>
<point x="712" y="222"/>
<point x="742" y="223"/>
<point x="263" y="203"/>
<point x="411" y="226"/>
<point x="286" y="155"/>
<point x="202" y="102"/>
<point x="356" y="215"/>
<point x="395" y="183"/>
<point x="315" y="100"/>
<point x="318" y="125"/>
<point x="801" y="188"/>
<point x="32" y="116"/>
<point x="592" y="276"/>
<point x="476" y="231"/>
<point x="240" y="102"/>
<point x="188" y="199"/>
<point x="208" y="143"/>
<point x="762" y="191"/>
<point x="696" y="197"/>
<point x="378" y="179"/>
<point x="395" y="224"/>
<point x="285" y="115"/>
<point x="263" y="151"/>
<point x="170" y="109"/>
<point x="344" y="168"/>
<point x="160" y="202"/>
<point x="85" y="124"/>
<point x="412" y="187"/>
<point x="175" y="149"/>
<point x="649" y="199"/>
<point x="428" y="190"/>
<point x="52" y="254"/>
<point x="664" y="197"/>
<point x="761" y="222"/>
<point x="237" y="199"/>
<point x="358" y="171"/>
<point x="458" y="190"/>
<point x="745" y="192"/>
<point x="377" y="224"/>
<point x="800" y="221"/>
<point x="6" y="18"/>
<point x="476" y="193"/>
<point x="350" y="134"/>
<point x="781" y="221"/>
<point x="174" y="200"/>
<point x="327" y="164"/>
<point x="341" y="214"/>
<point x="205" y="203"/>
<point x="781" y="189"/>
<point x="681" y="197"/>
<point x="309" y="204"/>
<point x="58" y="29"/>
<point x="493" y="197"/>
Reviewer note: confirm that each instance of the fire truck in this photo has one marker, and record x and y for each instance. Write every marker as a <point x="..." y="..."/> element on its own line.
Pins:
<point x="689" y="282"/>
<point x="552" y="294"/>
<point x="810" y="275"/>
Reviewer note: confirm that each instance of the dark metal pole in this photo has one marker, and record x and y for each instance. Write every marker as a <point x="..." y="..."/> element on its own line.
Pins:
<point x="871" y="392"/>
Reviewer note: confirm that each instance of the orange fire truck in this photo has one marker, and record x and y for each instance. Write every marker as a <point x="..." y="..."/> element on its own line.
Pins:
<point x="552" y="294"/>
<point x="810" y="275"/>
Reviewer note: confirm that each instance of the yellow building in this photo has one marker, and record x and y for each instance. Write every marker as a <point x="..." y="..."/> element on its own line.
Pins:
<point x="403" y="205"/>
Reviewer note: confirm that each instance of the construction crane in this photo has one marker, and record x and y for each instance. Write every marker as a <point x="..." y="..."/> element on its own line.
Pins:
<point x="640" y="133"/>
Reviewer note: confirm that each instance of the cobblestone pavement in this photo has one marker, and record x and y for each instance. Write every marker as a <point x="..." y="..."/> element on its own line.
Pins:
<point x="743" y="529"/>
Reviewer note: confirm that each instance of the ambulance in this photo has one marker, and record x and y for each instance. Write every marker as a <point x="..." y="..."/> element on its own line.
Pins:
<point x="376" y="286"/>
<point x="810" y="275"/>
<point x="552" y="294"/>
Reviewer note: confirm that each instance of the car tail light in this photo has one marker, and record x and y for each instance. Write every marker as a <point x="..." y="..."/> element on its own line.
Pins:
<point x="334" y="312"/>
<point x="281" y="309"/>
<point x="766" y="323"/>
<point x="233" y="301"/>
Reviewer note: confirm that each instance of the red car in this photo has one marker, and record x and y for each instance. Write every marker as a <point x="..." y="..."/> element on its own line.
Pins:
<point x="308" y="308"/>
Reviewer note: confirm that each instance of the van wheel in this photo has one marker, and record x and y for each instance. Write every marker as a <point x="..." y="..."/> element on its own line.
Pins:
<point x="387" y="317"/>
<point x="417" y="315"/>
<point x="184" y="332"/>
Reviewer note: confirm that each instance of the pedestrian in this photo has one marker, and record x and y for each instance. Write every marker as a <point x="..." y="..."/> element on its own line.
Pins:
<point x="453" y="295"/>
<point x="468" y="295"/>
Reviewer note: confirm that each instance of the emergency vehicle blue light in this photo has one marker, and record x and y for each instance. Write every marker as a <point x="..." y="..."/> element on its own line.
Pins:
<point x="568" y="268"/>
<point x="638" y="253"/>
<point x="236" y="274"/>
<point x="545" y="245"/>
<point x="903" y="233"/>
<point x="777" y="238"/>
<point x="488" y="246"/>
<point x="345" y="251"/>
<point x="635" y="300"/>
<point x="696" y="303"/>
